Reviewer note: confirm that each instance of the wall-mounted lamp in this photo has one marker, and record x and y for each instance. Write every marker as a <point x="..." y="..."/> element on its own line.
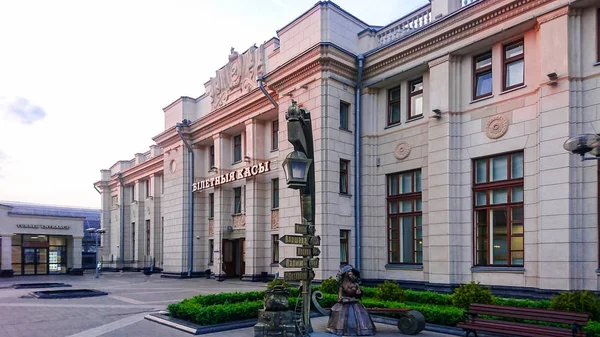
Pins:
<point x="247" y="159"/>
<point x="437" y="114"/>
<point x="553" y="79"/>
<point x="229" y="229"/>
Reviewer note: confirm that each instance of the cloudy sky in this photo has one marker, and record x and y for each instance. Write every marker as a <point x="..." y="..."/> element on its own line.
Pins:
<point x="83" y="83"/>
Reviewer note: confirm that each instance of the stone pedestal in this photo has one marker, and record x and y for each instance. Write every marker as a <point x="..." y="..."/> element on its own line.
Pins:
<point x="275" y="323"/>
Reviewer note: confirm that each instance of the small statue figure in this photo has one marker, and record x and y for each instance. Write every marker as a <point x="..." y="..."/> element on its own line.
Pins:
<point x="348" y="316"/>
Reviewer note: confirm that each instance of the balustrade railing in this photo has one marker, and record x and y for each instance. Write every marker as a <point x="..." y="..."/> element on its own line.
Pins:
<point x="467" y="2"/>
<point x="413" y="21"/>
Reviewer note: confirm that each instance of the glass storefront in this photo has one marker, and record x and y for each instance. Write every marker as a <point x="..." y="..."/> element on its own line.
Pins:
<point x="39" y="254"/>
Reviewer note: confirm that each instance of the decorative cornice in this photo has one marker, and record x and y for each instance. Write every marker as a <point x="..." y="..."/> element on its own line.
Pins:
<point x="439" y="60"/>
<point x="553" y="15"/>
<point x="460" y="32"/>
<point x="141" y="171"/>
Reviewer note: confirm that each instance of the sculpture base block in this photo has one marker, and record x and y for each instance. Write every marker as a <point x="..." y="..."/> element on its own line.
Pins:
<point x="265" y="330"/>
<point x="276" y="318"/>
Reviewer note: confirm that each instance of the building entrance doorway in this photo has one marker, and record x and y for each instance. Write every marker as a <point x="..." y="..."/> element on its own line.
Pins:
<point x="234" y="263"/>
<point x="35" y="261"/>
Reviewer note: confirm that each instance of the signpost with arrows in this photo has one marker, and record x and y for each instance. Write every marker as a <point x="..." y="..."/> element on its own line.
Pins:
<point x="306" y="253"/>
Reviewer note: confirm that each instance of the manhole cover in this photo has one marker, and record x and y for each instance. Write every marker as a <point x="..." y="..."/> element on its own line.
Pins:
<point x="39" y="285"/>
<point x="70" y="293"/>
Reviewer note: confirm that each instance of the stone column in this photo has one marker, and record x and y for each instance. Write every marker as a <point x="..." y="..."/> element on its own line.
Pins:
<point x="448" y="245"/>
<point x="105" y="221"/>
<point x="221" y="215"/>
<point x="6" y="263"/>
<point x="75" y="255"/>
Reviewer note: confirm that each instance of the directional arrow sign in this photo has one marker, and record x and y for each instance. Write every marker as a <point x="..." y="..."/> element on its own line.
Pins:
<point x="299" y="263"/>
<point x="291" y="276"/>
<point x="301" y="240"/>
<point x="303" y="251"/>
<point x="305" y="229"/>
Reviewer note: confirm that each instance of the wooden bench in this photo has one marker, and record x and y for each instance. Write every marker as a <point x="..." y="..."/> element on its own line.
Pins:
<point x="472" y="322"/>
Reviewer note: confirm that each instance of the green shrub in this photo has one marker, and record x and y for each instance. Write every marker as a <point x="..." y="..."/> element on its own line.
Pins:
<point x="427" y="297"/>
<point x="513" y="302"/>
<point x="592" y="329"/>
<point x="577" y="301"/>
<point x="466" y="294"/>
<point x="329" y="286"/>
<point x="389" y="291"/>
<point x="278" y="282"/>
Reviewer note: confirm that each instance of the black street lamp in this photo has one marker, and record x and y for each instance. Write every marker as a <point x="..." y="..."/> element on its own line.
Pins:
<point x="300" y="175"/>
<point x="582" y="144"/>
<point x="296" y="167"/>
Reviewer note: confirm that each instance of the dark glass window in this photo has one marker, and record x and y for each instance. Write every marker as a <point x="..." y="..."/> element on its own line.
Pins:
<point x="211" y="158"/>
<point x="211" y="248"/>
<point x="275" y="136"/>
<point x="344" y="247"/>
<point x="393" y="106"/>
<point x="148" y="237"/>
<point x="344" y="115"/>
<point x="275" y="193"/>
<point x="275" y="248"/>
<point x="237" y="192"/>
<point x="405" y="232"/>
<point x="482" y="70"/>
<point x="344" y="176"/>
<point x="237" y="148"/>
<point x="498" y="204"/>
<point x="211" y="205"/>
<point x="514" y="65"/>
<point x="415" y="101"/>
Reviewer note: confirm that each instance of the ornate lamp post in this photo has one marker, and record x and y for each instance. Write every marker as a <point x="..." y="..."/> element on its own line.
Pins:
<point x="96" y="232"/>
<point x="300" y="175"/>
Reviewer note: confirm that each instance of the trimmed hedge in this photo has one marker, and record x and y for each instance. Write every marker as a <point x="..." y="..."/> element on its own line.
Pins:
<point x="437" y="308"/>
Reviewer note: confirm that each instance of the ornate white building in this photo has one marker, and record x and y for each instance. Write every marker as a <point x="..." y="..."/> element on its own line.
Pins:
<point x="456" y="135"/>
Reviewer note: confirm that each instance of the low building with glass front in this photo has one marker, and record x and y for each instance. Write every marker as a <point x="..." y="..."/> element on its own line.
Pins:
<point x="438" y="152"/>
<point x="46" y="240"/>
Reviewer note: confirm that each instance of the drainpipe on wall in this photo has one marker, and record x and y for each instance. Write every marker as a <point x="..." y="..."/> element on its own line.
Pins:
<point x="357" y="205"/>
<point x="262" y="88"/>
<point x="122" y="218"/>
<point x="186" y="122"/>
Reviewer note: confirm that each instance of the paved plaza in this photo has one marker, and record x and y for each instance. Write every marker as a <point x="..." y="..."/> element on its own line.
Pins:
<point x="131" y="297"/>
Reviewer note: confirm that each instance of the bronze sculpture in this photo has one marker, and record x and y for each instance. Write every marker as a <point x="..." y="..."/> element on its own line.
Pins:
<point x="348" y="316"/>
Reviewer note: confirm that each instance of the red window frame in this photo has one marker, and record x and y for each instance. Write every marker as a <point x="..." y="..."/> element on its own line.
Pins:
<point x="507" y="61"/>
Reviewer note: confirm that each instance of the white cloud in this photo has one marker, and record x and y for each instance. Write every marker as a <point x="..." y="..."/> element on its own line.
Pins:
<point x="21" y="110"/>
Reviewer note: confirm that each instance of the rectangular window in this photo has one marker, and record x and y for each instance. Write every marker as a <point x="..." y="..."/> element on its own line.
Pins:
<point x="415" y="100"/>
<point x="404" y="217"/>
<point x="147" y="185"/>
<point x="498" y="204"/>
<point x="211" y="205"/>
<point x="211" y="248"/>
<point x="482" y="78"/>
<point x="132" y="191"/>
<point x="133" y="241"/>
<point x="275" y="248"/>
<point x="211" y="158"/>
<point x="275" y="136"/>
<point x="598" y="34"/>
<point x="275" y="193"/>
<point x="148" y="237"/>
<point x="344" y="248"/>
<point x="237" y="148"/>
<point x="344" y="176"/>
<point x="514" y="65"/>
<point x="393" y="106"/>
<point x="344" y="115"/>
<point x="237" y="200"/>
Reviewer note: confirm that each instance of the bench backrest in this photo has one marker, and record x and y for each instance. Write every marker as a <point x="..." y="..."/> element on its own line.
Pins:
<point x="529" y="313"/>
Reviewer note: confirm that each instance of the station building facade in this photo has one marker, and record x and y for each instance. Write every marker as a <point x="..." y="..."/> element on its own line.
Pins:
<point x="454" y="117"/>
<point x="46" y="240"/>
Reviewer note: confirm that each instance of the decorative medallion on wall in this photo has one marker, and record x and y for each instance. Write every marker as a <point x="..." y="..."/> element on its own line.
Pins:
<point x="173" y="166"/>
<point x="239" y="221"/>
<point x="402" y="150"/>
<point x="496" y="127"/>
<point x="211" y="227"/>
<point x="275" y="219"/>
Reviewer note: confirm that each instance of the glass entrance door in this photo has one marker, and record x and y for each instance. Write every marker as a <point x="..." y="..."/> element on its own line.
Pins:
<point x="35" y="261"/>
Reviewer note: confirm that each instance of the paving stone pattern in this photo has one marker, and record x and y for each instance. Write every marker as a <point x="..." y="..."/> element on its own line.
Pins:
<point x="131" y="297"/>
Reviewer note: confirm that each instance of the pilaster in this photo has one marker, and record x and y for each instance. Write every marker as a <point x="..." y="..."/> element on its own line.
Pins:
<point x="6" y="263"/>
